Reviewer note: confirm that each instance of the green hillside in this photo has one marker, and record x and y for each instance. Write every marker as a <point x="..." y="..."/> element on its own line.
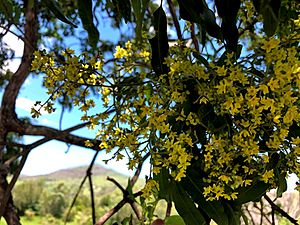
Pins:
<point x="45" y="199"/>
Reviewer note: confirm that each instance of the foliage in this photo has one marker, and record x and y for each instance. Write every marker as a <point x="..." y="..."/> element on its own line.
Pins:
<point x="28" y="194"/>
<point x="221" y="123"/>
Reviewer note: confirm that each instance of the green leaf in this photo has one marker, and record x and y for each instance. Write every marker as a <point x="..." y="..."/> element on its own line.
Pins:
<point x="55" y="9"/>
<point x="194" y="188"/>
<point x="197" y="11"/>
<point x="252" y="193"/>
<point x="165" y="187"/>
<point x="201" y="59"/>
<point x="159" y="44"/>
<point x="234" y="216"/>
<point x="139" y="9"/>
<point x="270" y="11"/>
<point x="186" y="207"/>
<point x="270" y="20"/>
<point x="174" y="220"/>
<point x="122" y="9"/>
<point x="129" y="189"/>
<point x="227" y="10"/>
<point x="281" y="182"/>
<point x="85" y="11"/>
<point x="148" y="91"/>
<point x="6" y="7"/>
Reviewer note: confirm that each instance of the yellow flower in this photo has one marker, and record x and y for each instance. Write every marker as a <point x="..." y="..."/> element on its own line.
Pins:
<point x="266" y="176"/>
<point x="268" y="45"/>
<point x="150" y="188"/>
<point x="88" y="143"/>
<point x="120" y="52"/>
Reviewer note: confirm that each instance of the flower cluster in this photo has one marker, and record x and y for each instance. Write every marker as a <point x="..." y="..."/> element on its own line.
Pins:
<point x="234" y="119"/>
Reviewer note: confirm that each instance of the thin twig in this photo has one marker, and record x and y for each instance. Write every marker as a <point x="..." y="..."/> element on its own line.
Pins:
<point x="279" y="210"/>
<point x="116" y="183"/>
<point x="92" y="198"/>
<point x="126" y="197"/>
<point x="169" y="208"/>
<point x="81" y="185"/>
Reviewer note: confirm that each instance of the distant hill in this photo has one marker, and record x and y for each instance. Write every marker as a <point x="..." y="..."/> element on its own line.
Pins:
<point x="75" y="173"/>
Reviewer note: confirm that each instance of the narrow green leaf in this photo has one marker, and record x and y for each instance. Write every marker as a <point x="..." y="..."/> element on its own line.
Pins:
<point x="165" y="188"/>
<point x="197" y="11"/>
<point x="270" y="10"/>
<point x="186" y="207"/>
<point x="252" y="193"/>
<point x="148" y="91"/>
<point x="213" y="209"/>
<point x="282" y="184"/>
<point x="6" y="8"/>
<point x="123" y="9"/>
<point x="234" y="216"/>
<point x="159" y="44"/>
<point x="139" y="9"/>
<point x="270" y="20"/>
<point x="201" y="59"/>
<point x="55" y="9"/>
<point x="174" y="220"/>
<point x="85" y="10"/>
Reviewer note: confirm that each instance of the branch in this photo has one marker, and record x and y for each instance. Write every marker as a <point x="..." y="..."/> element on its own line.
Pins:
<point x="25" y="153"/>
<point x="52" y="133"/>
<point x="111" y="212"/>
<point x="175" y="20"/>
<point x="138" y="170"/>
<point x="88" y="172"/>
<point x="7" y="112"/>
<point x="193" y="36"/>
<point x="279" y="210"/>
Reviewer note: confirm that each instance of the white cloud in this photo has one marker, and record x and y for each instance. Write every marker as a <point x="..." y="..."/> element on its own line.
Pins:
<point x="46" y="122"/>
<point x="17" y="45"/>
<point x="26" y="105"/>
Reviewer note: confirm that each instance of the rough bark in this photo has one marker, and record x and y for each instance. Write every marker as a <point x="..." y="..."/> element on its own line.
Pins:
<point x="8" y="117"/>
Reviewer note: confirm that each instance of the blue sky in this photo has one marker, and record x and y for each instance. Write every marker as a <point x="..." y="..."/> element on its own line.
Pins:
<point x="54" y="155"/>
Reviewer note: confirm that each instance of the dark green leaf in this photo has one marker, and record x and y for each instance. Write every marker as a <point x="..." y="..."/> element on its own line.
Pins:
<point x="85" y="10"/>
<point x="139" y="9"/>
<point x="213" y="209"/>
<point x="122" y="9"/>
<point x="197" y="11"/>
<point x="6" y="7"/>
<point x="174" y="220"/>
<point x="281" y="182"/>
<point x="159" y="44"/>
<point x="186" y="207"/>
<point x="270" y="12"/>
<point x="294" y="130"/>
<point x="270" y="20"/>
<point x="55" y="9"/>
<point x="234" y="216"/>
<point x="201" y="59"/>
<point x="165" y="188"/>
<point x="129" y="189"/>
<point x="252" y="193"/>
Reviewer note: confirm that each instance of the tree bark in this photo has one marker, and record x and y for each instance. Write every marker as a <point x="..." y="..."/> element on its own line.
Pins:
<point x="8" y="117"/>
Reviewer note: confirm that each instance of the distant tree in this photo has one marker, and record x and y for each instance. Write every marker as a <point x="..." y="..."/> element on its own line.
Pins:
<point x="28" y="195"/>
<point x="214" y="102"/>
